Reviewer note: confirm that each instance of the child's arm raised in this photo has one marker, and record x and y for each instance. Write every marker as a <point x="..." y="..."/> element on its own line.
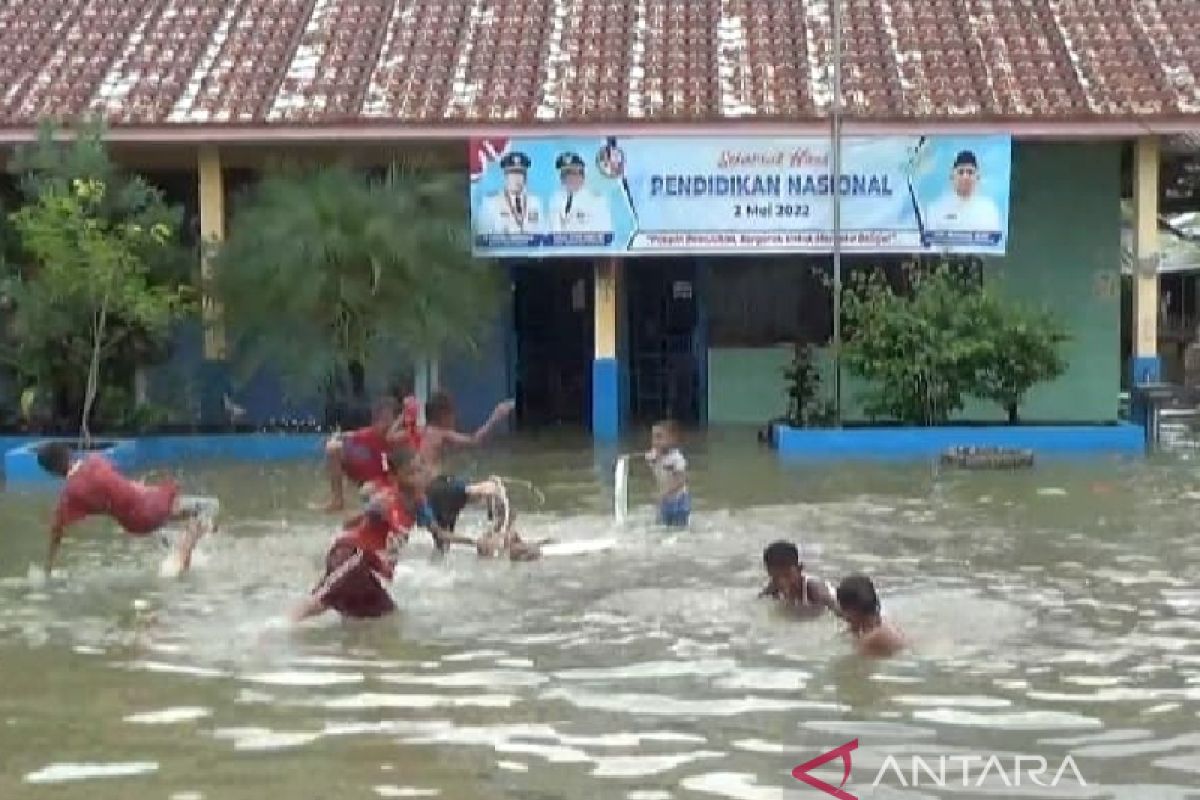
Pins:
<point x="499" y="414"/>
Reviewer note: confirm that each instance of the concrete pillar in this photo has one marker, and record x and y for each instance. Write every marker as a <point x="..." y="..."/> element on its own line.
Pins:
<point x="426" y="380"/>
<point x="606" y="367"/>
<point x="1147" y="366"/>
<point x="421" y="386"/>
<point x="212" y="233"/>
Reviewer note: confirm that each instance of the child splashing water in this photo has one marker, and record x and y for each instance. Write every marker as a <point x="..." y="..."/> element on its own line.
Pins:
<point x="503" y="538"/>
<point x="800" y="593"/>
<point x="360" y="455"/>
<point x="361" y="560"/>
<point x="94" y="487"/>
<point x="448" y="495"/>
<point x="670" y="473"/>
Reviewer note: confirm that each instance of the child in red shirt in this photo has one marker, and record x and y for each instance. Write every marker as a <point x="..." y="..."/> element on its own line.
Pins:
<point x="360" y="455"/>
<point x="360" y="561"/>
<point x="406" y="432"/>
<point x="94" y="487"/>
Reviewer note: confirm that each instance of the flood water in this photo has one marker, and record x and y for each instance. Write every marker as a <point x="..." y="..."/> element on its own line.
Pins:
<point x="1054" y="612"/>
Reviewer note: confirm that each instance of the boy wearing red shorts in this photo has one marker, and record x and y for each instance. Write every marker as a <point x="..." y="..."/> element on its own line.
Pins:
<point x="360" y="563"/>
<point x="94" y="487"/>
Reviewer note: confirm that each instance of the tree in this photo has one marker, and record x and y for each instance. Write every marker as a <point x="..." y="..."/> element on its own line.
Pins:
<point x="925" y="350"/>
<point x="87" y="270"/>
<point x="1024" y="350"/>
<point x="327" y="268"/>
<point x="920" y="351"/>
<point x="48" y="342"/>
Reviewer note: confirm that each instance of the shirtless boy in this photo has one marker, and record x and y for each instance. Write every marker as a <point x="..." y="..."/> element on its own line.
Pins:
<point x="448" y="495"/>
<point x="802" y="594"/>
<point x="503" y="539"/>
<point x="873" y="635"/>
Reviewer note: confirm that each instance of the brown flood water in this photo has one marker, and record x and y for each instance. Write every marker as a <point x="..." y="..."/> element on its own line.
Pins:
<point x="1054" y="612"/>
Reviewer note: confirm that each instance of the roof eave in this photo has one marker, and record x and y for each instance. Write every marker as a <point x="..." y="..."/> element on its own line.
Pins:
<point x="275" y="133"/>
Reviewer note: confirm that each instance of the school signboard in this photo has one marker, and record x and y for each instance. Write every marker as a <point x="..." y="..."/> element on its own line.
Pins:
<point x="543" y="197"/>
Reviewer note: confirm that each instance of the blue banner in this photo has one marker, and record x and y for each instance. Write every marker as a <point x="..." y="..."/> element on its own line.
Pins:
<point x="553" y="197"/>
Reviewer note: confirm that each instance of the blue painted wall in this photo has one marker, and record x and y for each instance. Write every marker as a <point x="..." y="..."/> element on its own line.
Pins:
<point x="916" y="444"/>
<point x="193" y="388"/>
<point x="138" y="454"/>
<point x="10" y="443"/>
<point x="481" y="379"/>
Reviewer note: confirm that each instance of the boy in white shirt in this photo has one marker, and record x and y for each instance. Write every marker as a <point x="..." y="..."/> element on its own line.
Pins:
<point x="670" y="472"/>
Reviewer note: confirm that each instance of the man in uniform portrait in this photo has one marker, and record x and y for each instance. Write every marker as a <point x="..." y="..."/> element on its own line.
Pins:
<point x="512" y="210"/>
<point x="575" y="208"/>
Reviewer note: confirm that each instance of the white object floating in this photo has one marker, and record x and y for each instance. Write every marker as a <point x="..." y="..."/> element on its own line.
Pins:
<point x="61" y="773"/>
<point x="621" y="490"/>
<point x="578" y="548"/>
<point x="1051" y="491"/>
<point x="169" y="716"/>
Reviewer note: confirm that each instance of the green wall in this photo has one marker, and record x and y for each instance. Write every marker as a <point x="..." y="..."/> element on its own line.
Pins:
<point x="746" y="384"/>
<point x="1064" y="253"/>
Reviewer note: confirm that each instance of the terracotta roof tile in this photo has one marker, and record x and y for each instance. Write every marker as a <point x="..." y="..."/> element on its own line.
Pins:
<point x="150" y="62"/>
<point x="62" y="51"/>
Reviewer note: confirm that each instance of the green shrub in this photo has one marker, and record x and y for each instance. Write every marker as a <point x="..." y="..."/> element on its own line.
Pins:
<point x="923" y="352"/>
<point x="807" y="406"/>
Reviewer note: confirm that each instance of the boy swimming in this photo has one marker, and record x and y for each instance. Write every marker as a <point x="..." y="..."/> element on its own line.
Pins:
<point x="873" y="635"/>
<point x="447" y="495"/>
<point x="502" y="538"/>
<point x="360" y="455"/>
<point x="94" y="487"/>
<point x="670" y="472"/>
<point x="361" y="560"/>
<point x="802" y="594"/>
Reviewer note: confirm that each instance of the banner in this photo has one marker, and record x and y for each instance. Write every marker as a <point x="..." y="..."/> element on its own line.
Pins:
<point x="554" y="197"/>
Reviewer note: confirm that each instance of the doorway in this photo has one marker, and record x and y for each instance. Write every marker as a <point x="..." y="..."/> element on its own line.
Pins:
<point x="665" y="348"/>
<point x="552" y="316"/>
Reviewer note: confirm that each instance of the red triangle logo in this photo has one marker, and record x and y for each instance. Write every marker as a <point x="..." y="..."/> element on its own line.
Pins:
<point x="843" y="752"/>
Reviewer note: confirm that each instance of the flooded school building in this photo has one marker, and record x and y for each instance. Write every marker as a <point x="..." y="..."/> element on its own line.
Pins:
<point x="654" y="175"/>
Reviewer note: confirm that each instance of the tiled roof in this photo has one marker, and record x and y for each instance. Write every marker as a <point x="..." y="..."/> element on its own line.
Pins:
<point x="288" y="62"/>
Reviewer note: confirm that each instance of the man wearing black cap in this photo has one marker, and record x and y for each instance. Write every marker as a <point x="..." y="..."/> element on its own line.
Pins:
<point x="963" y="208"/>
<point x="574" y="208"/>
<point x="513" y="210"/>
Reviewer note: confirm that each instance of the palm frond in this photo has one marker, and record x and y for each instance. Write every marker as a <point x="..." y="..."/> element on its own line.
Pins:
<point x="328" y="266"/>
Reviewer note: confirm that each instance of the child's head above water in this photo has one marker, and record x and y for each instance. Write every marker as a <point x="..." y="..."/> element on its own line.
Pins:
<point x="55" y="458"/>
<point x="439" y="410"/>
<point x="857" y="598"/>
<point x="664" y="435"/>
<point x="782" y="560"/>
